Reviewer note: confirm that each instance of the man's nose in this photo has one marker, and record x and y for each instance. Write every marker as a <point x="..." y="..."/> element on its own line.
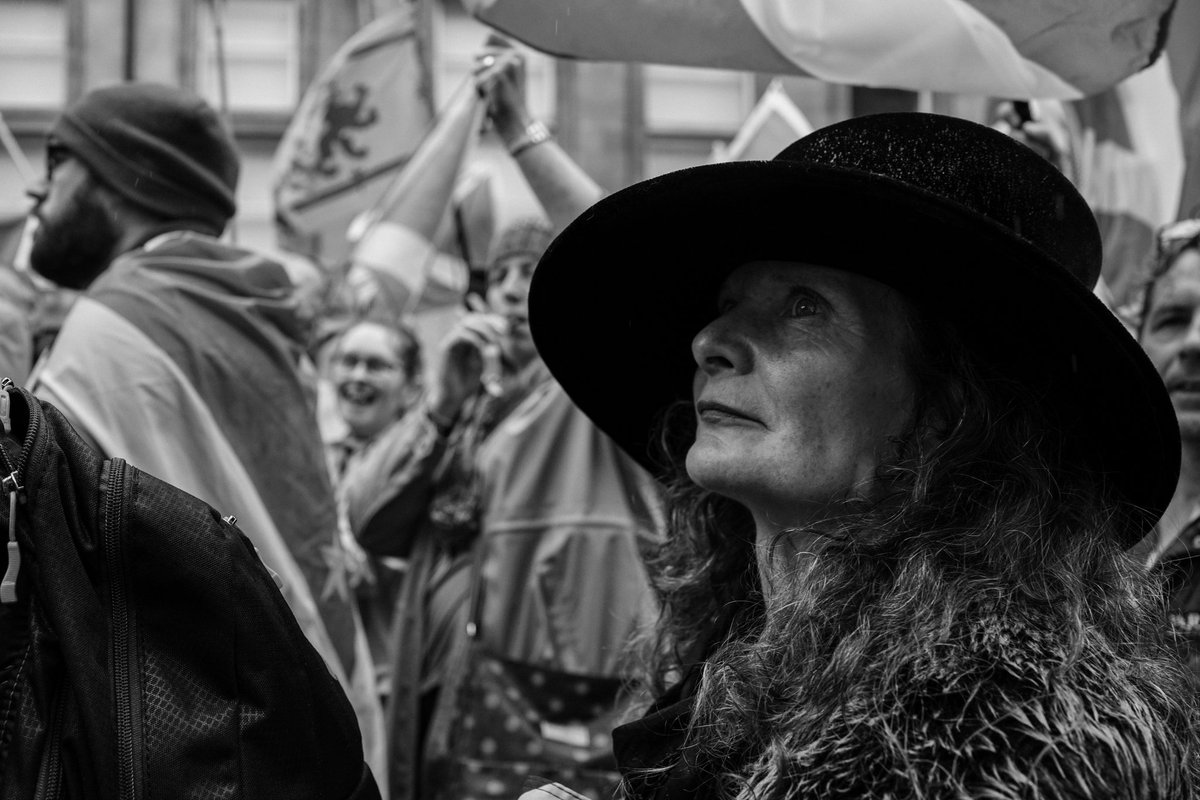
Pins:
<point x="1190" y="349"/>
<point x="37" y="191"/>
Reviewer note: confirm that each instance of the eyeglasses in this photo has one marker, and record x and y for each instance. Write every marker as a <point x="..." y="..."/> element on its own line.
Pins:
<point x="56" y="154"/>
<point x="372" y="364"/>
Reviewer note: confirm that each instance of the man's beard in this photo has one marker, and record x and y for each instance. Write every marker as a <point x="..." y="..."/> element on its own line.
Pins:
<point x="75" y="247"/>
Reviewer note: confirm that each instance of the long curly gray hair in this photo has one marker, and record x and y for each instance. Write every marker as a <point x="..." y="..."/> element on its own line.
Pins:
<point x="974" y="629"/>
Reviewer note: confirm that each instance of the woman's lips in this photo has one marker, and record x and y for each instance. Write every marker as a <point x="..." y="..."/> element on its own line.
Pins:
<point x="717" y="413"/>
<point x="358" y="394"/>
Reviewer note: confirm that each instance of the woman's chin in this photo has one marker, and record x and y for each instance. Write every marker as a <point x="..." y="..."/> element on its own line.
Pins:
<point x="716" y="468"/>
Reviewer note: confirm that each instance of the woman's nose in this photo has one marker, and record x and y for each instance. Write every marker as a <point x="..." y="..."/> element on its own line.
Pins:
<point x="721" y="346"/>
<point x="515" y="287"/>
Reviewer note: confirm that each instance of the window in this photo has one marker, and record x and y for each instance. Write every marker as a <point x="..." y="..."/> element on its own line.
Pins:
<point x="686" y="109"/>
<point x="262" y="54"/>
<point x="33" y="54"/>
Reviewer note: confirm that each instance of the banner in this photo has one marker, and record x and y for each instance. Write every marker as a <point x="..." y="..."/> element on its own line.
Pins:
<point x="354" y="130"/>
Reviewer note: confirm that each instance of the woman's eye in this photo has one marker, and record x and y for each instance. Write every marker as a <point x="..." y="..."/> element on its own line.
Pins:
<point x="804" y="305"/>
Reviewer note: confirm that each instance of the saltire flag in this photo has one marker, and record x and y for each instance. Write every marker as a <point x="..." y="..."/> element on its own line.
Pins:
<point x="773" y="124"/>
<point x="354" y="130"/>
<point x="1004" y="48"/>
<point x="411" y="250"/>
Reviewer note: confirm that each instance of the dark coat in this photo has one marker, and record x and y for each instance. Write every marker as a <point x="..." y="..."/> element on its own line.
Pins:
<point x="1002" y="713"/>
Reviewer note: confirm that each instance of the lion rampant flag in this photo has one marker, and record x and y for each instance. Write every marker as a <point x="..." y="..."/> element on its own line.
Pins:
<point x="355" y="128"/>
<point x="1006" y="48"/>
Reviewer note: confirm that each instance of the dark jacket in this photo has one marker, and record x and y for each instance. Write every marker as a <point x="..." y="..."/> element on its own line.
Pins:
<point x="1002" y="712"/>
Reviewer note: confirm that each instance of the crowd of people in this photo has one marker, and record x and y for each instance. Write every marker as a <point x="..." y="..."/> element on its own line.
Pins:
<point x="821" y="477"/>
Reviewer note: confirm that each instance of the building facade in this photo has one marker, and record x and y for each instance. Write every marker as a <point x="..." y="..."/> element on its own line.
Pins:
<point x="622" y="122"/>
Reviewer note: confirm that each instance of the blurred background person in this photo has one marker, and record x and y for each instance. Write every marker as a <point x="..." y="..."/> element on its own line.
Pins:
<point x="1169" y="331"/>
<point x="375" y="372"/>
<point x="496" y="487"/>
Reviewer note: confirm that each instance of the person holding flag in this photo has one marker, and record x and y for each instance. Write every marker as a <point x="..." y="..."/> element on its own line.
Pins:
<point x="497" y="487"/>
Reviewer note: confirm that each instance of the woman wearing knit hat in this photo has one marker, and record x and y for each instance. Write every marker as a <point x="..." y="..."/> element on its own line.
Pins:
<point x="497" y="487"/>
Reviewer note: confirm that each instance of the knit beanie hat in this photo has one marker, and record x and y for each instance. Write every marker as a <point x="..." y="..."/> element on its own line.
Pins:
<point x="529" y="236"/>
<point x="162" y="148"/>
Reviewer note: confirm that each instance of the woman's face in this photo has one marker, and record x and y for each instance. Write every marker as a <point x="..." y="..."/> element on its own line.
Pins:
<point x="372" y="389"/>
<point x="801" y="383"/>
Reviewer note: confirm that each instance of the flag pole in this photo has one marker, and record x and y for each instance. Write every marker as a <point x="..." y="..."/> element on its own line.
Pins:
<point x="218" y="24"/>
<point x="13" y="147"/>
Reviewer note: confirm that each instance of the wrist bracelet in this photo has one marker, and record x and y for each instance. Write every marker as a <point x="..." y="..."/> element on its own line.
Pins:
<point x="535" y="133"/>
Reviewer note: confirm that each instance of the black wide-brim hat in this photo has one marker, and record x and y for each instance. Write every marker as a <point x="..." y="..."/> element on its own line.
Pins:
<point x="963" y="220"/>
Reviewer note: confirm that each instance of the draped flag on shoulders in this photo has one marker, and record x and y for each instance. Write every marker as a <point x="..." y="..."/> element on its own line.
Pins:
<point x="1005" y="48"/>
<point x="774" y="124"/>
<point x="182" y="359"/>
<point x="355" y="128"/>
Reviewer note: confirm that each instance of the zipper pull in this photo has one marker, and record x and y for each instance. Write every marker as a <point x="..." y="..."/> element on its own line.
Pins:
<point x="8" y="586"/>
<point x="5" y="407"/>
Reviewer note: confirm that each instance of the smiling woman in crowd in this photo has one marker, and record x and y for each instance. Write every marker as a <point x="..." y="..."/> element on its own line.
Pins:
<point x="375" y="371"/>
<point x="376" y="374"/>
<point x="906" y="450"/>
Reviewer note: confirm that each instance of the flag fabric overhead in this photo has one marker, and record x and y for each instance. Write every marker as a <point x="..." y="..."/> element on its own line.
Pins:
<point x="1004" y="48"/>
<point x="774" y="123"/>
<point x="1128" y="158"/>
<point x="1184" y="58"/>
<point x="354" y="130"/>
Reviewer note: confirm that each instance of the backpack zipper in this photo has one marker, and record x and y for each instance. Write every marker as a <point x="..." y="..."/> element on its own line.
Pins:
<point x="124" y="648"/>
<point x="31" y="431"/>
<point x="11" y="484"/>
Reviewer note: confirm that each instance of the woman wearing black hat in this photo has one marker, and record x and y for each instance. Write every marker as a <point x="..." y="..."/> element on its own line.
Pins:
<point x="906" y="448"/>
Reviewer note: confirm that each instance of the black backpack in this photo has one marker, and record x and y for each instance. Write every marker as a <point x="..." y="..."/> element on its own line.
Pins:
<point x="145" y="651"/>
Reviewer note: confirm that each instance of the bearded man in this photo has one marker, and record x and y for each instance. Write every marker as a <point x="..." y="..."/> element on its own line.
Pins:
<point x="183" y="355"/>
